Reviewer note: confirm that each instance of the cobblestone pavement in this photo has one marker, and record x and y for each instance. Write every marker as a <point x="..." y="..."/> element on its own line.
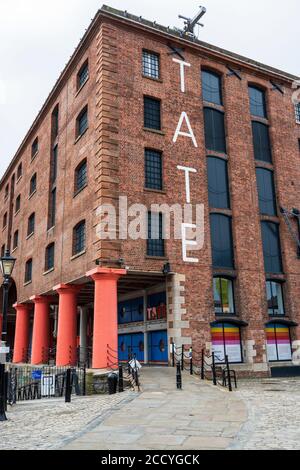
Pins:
<point x="49" y="423"/>
<point x="273" y="415"/>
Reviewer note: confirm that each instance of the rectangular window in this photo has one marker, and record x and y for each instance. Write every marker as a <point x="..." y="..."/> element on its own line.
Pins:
<point x="155" y="242"/>
<point x="16" y="239"/>
<point x="54" y="164"/>
<point x="32" y="187"/>
<point x="275" y="299"/>
<point x="18" y="204"/>
<point x="279" y="345"/>
<point x="52" y="211"/>
<point x="218" y="189"/>
<point x="49" y="258"/>
<point x="211" y="87"/>
<point x="83" y="75"/>
<point x="257" y="102"/>
<point x="297" y="113"/>
<point x="82" y="122"/>
<point x="151" y="64"/>
<point x="152" y="118"/>
<point x="271" y="247"/>
<point x="214" y="130"/>
<point x="226" y="341"/>
<point x="31" y="225"/>
<point x="4" y="220"/>
<point x="55" y="122"/>
<point x="223" y="296"/>
<point x="266" y="191"/>
<point x="35" y="147"/>
<point x="28" y="271"/>
<point x="79" y="238"/>
<point x="261" y="142"/>
<point x="221" y="240"/>
<point x="153" y="169"/>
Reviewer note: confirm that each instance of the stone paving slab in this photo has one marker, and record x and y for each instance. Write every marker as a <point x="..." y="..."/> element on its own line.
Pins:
<point x="163" y="418"/>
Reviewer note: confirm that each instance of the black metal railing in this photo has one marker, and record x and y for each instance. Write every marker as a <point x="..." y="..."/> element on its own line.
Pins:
<point x="128" y="372"/>
<point x="208" y="367"/>
<point x="31" y="383"/>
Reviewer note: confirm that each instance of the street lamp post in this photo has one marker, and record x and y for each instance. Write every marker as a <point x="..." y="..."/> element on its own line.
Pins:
<point x="7" y="264"/>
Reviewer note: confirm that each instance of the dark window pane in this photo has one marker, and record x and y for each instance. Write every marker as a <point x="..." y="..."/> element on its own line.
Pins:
<point x="150" y="64"/>
<point x="275" y="298"/>
<point x="55" y="118"/>
<point x="261" y="142"/>
<point x="257" y="102"/>
<point x="297" y="112"/>
<point x="218" y="190"/>
<point x="18" y="203"/>
<point x="31" y="224"/>
<point x="35" y="147"/>
<point x="16" y="239"/>
<point x="214" y="130"/>
<point x="49" y="260"/>
<point x="83" y="75"/>
<point x="155" y="242"/>
<point x="153" y="169"/>
<point x="52" y="209"/>
<point x="211" y="87"/>
<point x="28" y="271"/>
<point x="152" y="113"/>
<point x="82" y="122"/>
<point x="266" y="191"/>
<point x="79" y="238"/>
<point x="32" y="184"/>
<point x="20" y="170"/>
<point x="221" y="240"/>
<point x="81" y="176"/>
<point x="271" y="247"/>
<point x="54" y="164"/>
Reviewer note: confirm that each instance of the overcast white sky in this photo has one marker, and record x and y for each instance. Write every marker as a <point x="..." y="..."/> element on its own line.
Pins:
<point x="37" y="38"/>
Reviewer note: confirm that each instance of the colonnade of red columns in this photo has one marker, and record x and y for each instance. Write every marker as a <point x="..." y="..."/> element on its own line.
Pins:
<point x="105" y="322"/>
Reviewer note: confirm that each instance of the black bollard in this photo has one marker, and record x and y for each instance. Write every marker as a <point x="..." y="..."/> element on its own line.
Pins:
<point x="112" y="380"/>
<point x="178" y="377"/>
<point x="121" y="380"/>
<point x="2" y="393"/>
<point x="68" y="387"/>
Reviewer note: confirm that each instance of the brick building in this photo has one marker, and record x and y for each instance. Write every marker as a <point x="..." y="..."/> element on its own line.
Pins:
<point x="135" y="102"/>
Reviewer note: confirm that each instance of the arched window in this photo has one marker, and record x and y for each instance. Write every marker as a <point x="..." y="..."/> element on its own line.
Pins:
<point x="81" y="176"/>
<point x="19" y="171"/>
<point x="211" y="87"/>
<point x="83" y="75"/>
<point x="226" y="341"/>
<point x="223" y="296"/>
<point x="275" y="298"/>
<point x="16" y="239"/>
<point x="34" y="148"/>
<point x="18" y="204"/>
<point x="82" y="122"/>
<point x="257" y="102"/>
<point x="79" y="238"/>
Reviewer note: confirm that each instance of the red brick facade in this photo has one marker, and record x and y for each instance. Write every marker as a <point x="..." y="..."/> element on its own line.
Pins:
<point x="114" y="147"/>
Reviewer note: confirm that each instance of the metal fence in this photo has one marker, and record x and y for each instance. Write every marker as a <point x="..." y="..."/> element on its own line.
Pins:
<point x="29" y="383"/>
<point x="208" y="367"/>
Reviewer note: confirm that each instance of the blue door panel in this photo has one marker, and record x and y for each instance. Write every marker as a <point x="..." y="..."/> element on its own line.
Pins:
<point x="158" y="346"/>
<point x="131" y="344"/>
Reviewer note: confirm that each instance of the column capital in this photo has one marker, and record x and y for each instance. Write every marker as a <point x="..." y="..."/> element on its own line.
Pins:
<point x="39" y="299"/>
<point x="67" y="288"/>
<point x="21" y="306"/>
<point x="100" y="273"/>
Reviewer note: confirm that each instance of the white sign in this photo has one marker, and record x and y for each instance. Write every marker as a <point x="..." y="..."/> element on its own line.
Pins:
<point x="134" y="364"/>
<point x="4" y="350"/>
<point x="48" y="385"/>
